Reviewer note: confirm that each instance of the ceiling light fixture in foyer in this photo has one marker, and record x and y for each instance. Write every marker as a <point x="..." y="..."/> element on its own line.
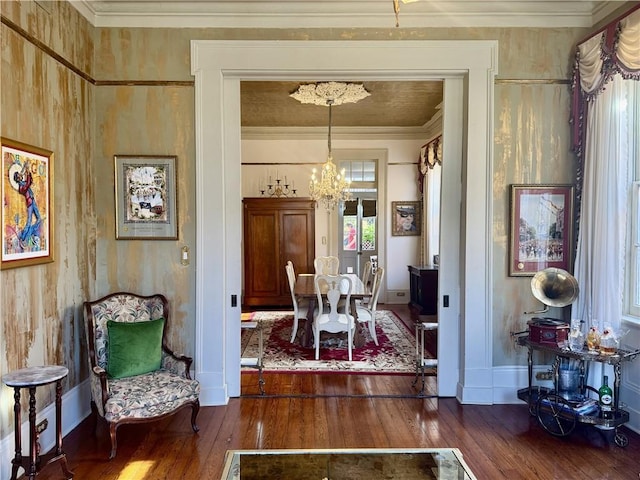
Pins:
<point x="332" y="188"/>
<point x="396" y="8"/>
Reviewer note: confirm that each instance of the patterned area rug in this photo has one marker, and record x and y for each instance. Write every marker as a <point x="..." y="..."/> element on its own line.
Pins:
<point x="395" y="353"/>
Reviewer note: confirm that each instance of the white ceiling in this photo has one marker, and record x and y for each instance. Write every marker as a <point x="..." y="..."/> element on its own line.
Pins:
<point x="344" y="13"/>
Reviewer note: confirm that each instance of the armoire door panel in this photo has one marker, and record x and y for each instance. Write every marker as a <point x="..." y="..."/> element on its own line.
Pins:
<point x="276" y="230"/>
<point x="263" y="254"/>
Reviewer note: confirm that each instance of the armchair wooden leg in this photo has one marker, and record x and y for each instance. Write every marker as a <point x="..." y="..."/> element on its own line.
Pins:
<point x="114" y="444"/>
<point x="194" y="413"/>
<point x="94" y="415"/>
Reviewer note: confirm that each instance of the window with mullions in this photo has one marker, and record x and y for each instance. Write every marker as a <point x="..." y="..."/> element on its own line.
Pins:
<point x="360" y="171"/>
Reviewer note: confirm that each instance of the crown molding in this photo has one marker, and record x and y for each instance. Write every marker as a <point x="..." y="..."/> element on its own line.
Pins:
<point x="346" y="133"/>
<point x="343" y="13"/>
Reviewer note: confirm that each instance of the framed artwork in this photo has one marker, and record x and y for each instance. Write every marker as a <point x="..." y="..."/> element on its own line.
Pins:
<point x="27" y="208"/>
<point x="541" y="228"/>
<point x="406" y="218"/>
<point x="146" y="197"/>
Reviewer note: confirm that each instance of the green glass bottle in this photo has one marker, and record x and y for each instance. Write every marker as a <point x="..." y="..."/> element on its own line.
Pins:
<point x="606" y="399"/>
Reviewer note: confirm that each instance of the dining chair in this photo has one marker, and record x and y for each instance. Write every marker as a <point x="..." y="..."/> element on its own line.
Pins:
<point x="328" y="265"/>
<point x="366" y="279"/>
<point x="366" y="313"/>
<point x="300" y="306"/>
<point x="329" y="318"/>
<point x="366" y="273"/>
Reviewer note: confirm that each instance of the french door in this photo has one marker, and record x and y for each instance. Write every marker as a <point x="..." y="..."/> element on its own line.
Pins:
<point x="358" y="232"/>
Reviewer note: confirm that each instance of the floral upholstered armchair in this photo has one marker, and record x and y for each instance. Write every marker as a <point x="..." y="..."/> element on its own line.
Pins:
<point x="135" y="377"/>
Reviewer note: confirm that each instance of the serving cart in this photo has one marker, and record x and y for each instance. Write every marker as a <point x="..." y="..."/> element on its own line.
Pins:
<point x="558" y="414"/>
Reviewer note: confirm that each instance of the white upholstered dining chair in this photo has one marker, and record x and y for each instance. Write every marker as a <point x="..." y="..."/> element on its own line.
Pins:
<point x="366" y="313"/>
<point x="366" y="273"/>
<point x="328" y="265"/>
<point x="329" y="318"/>
<point x="300" y="306"/>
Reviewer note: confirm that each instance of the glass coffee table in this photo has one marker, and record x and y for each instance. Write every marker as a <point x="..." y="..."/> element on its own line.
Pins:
<point x="346" y="464"/>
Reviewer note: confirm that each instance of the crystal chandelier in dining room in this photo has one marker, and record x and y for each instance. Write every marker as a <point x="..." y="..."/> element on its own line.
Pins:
<point x="330" y="186"/>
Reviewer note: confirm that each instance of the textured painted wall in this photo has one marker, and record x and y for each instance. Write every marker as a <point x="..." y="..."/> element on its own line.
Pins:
<point x="143" y="120"/>
<point x="46" y="104"/>
<point x="531" y="147"/>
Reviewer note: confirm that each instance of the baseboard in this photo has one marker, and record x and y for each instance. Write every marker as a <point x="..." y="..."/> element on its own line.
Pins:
<point x="76" y="406"/>
<point x="396" y="297"/>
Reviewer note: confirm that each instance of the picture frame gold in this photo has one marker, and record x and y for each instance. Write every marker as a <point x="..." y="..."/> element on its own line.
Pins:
<point x="28" y="206"/>
<point x="541" y="233"/>
<point x="406" y="218"/>
<point x="145" y="197"/>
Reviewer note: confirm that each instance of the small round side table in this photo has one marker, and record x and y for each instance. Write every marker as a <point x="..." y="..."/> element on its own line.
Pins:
<point x="32" y="378"/>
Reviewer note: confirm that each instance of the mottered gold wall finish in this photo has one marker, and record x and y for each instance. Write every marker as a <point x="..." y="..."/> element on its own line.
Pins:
<point x="93" y="93"/>
<point x="47" y="104"/>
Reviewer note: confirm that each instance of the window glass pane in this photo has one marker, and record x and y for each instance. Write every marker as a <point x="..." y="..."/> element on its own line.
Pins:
<point x="368" y="233"/>
<point x="359" y="171"/>
<point x="635" y="251"/>
<point x="369" y="172"/>
<point x="350" y="237"/>
<point x="635" y="301"/>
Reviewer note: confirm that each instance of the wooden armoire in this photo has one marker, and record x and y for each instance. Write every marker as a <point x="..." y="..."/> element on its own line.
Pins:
<point x="276" y="230"/>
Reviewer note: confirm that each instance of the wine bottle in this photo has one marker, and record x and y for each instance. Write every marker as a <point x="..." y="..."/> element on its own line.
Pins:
<point x="606" y="399"/>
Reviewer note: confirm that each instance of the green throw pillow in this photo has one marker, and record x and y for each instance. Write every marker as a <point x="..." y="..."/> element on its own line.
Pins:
<point x="134" y="348"/>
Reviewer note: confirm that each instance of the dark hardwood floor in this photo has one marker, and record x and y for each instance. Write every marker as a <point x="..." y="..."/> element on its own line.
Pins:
<point x="346" y="411"/>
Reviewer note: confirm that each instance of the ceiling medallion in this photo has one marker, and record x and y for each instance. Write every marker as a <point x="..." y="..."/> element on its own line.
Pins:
<point x="330" y="93"/>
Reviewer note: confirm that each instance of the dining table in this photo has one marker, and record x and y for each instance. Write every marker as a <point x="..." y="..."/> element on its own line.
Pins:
<point x="305" y="290"/>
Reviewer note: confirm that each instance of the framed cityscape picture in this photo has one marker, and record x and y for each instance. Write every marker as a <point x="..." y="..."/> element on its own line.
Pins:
<point x="27" y="208"/>
<point x="146" y="197"/>
<point x="541" y="228"/>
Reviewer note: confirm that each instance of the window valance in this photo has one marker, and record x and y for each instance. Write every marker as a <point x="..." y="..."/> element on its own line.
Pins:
<point x="613" y="50"/>
<point x="430" y="156"/>
<point x="431" y="153"/>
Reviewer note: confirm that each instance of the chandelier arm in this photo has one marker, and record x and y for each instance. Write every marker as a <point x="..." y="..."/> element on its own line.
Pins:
<point x="330" y="103"/>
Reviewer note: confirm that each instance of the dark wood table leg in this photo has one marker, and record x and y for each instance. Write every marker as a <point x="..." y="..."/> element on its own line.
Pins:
<point x="306" y="337"/>
<point x="33" y="445"/>
<point x="360" y="336"/>
<point x="59" y="453"/>
<point x="17" y="459"/>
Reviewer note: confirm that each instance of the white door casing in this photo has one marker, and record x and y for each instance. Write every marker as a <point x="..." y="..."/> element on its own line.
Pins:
<point x="467" y="68"/>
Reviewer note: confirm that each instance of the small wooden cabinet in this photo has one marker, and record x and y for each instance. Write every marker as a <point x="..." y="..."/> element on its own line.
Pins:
<point x="423" y="284"/>
<point x="276" y="230"/>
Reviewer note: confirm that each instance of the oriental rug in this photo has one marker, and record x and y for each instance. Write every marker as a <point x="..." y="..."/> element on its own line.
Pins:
<point x="395" y="353"/>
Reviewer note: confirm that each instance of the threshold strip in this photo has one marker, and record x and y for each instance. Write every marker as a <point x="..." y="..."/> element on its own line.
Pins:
<point x="332" y="395"/>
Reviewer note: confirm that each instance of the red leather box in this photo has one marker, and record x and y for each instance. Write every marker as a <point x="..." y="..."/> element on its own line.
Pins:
<point x="548" y="331"/>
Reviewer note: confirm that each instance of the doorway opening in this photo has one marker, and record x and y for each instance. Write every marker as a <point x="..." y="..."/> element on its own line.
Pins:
<point x="357" y="222"/>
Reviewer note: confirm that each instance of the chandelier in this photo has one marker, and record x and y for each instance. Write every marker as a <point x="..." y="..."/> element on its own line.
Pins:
<point x="330" y="186"/>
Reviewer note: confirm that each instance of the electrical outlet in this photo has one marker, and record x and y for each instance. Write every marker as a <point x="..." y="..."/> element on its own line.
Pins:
<point x="42" y="426"/>
<point x="544" y="376"/>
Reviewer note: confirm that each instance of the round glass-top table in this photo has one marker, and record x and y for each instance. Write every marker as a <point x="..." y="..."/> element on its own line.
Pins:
<point x="31" y="378"/>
